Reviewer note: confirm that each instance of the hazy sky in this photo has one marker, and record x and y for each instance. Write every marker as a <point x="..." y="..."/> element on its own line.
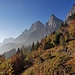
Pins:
<point x="18" y="15"/>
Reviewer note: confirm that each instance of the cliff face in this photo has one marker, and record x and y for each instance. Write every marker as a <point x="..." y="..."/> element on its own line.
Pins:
<point x="53" y="24"/>
<point x="71" y="12"/>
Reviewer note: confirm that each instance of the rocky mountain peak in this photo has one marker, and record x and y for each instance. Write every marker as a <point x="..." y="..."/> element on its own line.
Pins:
<point x="71" y="12"/>
<point x="38" y="21"/>
<point x="54" y="21"/>
<point x="36" y="25"/>
<point x="52" y="16"/>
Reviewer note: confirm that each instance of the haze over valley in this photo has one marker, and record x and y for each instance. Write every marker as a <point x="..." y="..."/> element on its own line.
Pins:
<point x="37" y="37"/>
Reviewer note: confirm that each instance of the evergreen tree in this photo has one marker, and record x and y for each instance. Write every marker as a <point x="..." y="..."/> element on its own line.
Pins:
<point x="18" y="50"/>
<point x="57" y="39"/>
<point x="48" y="44"/>
<point x="33" y="46"/>
<point x="37" y="45"/>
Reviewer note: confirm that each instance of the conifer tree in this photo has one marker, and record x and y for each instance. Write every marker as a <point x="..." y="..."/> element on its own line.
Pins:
<point x="37" y="45"/>
<point x="33" y="46"/>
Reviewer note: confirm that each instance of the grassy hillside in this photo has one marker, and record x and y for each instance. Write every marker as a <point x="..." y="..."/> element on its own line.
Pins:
<point x="54" y="55"/>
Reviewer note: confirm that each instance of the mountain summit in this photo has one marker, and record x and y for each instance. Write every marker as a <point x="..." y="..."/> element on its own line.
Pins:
<point x="36" y="25"/>
<point x="54" y="21"/>
<point x="71" y="12"/>
<point x="53" y="24"/>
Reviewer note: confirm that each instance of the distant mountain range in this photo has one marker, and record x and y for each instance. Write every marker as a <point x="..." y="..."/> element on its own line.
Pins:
<point x="6" y="41"/>
<point x="10" y="53"/>
<point x="37" y="31"/>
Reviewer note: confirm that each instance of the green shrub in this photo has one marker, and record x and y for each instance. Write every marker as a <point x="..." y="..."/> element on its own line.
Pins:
<point x="48" y="45"/>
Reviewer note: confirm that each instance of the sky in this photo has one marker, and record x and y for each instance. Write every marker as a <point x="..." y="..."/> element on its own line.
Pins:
<point x="18" y="15"/>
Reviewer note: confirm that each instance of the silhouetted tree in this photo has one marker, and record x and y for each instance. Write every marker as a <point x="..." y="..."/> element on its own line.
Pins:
<point x="33" y="46"/>
<point x="37" y="45"/>
<point x="18" y="50"/>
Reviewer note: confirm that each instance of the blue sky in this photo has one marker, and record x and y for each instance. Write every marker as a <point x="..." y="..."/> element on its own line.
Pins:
<point x="18" y="15"/>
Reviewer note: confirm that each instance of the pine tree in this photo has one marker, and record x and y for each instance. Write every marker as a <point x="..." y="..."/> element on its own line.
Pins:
<point x="33" y="46"/>
<point x="18" y="51"/>
<point x="57" y="39"/>
<point x="37" y="45"/>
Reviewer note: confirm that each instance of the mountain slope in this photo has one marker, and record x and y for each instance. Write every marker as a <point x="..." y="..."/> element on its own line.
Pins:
<point x="71" y="12"/>
<point x="58" y="60"/>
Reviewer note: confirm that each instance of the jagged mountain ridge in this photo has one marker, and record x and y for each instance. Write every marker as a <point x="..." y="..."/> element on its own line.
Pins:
<point x="27" y="33"/>
<point x="36" y="32"/>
